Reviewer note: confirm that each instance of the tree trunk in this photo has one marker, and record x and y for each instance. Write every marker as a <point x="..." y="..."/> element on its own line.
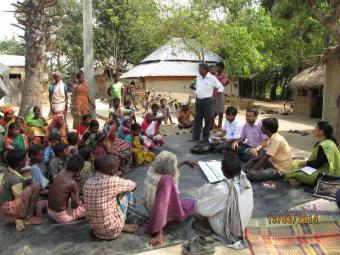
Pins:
<point x="34" y="23"/>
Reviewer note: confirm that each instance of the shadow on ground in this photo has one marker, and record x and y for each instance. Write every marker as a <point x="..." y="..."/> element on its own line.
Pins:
<point x="74" y="238"/>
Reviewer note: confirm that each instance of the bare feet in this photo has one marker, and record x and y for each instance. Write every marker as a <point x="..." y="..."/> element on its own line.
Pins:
<point x="130" y="228"/>
<point x="19" y="225"/>
<point x="157" y="240"/>
<point x="294" y="182"/>
<point x="34" y="221"/>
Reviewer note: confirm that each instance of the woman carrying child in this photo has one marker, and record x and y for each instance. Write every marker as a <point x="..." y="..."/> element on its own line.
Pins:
<point x="124" y="130"/>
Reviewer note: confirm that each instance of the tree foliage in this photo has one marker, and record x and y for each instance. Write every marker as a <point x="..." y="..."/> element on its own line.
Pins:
<point x="11" y="47"/>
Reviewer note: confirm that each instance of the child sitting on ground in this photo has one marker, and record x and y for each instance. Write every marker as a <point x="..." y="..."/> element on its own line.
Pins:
<point x="184" y="117"/>
<point x="53" y="140"/>
<point x="89" y="137"/>
<point x="140" y="154"/>
<point x="64" y="193"/>
<point x="72" y="139"/>
<point x="58" y="163"/>
<point x="108" y="200"/>
<point x="86" y="118"/>
<point x="116" y="113"/>
<point x="129" y="111"/>
<point x="100" y="148"/>
<point x="165" y="110"/>
<point x="86" y="171"/>
<point x="124" y="131"/>
<point x="157" y="115"/>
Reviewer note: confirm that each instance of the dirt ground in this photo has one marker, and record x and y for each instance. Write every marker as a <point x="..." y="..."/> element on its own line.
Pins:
<point x="74" y="238"/>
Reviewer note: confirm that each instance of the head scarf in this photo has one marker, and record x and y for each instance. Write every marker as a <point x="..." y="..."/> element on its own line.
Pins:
<point x="7" y="110"/>
<point x="56" y="119"/>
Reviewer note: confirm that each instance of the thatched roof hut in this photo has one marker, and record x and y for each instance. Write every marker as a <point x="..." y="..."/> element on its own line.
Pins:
<point x="311" y="78"/>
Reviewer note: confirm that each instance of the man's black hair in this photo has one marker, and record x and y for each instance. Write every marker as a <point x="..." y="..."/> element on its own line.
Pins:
<point x="231" y="164"/>
<point x="54" y="137"/>
<point x="220" y="64"/>
<point x="75" y="163"/>
<point x="135" y="126"/>
<point x="94" y="123"/>
<point x="72" y="138"/>
<point x="59" y="148"/>
<point x="86" y="116"/>
<point x="34" y="150"/>
<point x="127" y="101"/>
<point x="231" y="110"/>
<point x="271" y="124"/>
<point x="204" y="66"/>
<point x="14" y="157"/>
<point x="85" y="153"/>
<point x="253" y="110"/>
<point x="154" y="106"/>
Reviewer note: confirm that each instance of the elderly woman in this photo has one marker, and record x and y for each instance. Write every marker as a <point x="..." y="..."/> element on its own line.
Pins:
<point x="58" y="96"/>
<point x="150" y="137"/>
<point x="81" y="100"/>
<point x="161" y="196"/>
<point x="325" y="158"/>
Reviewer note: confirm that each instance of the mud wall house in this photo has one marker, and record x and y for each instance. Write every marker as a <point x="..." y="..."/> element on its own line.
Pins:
<point x="307" y="87"/>
<point x="16" y="77"/>
<point x="170" y="69"/>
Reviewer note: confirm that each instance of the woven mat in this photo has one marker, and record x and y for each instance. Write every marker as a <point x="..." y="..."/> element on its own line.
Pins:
<point x="320" y="238"/>
<point x="318" y="205"/>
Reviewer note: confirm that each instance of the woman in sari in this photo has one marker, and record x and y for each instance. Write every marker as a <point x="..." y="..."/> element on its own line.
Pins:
<point x="325" y="158"/>
<point x="58" y="96"/>
<point x="14" y="139"/>
<point x="37" y="125"/>
<point x="150" y="136"/>
<point x="118" y="147"/>
<point x="140" y="154"/>
<point x="81" y="100"/>
<point x="89" y="137"/>
<point x="8" y="116"/>
<point x="124" y="130"/>
<point x="21" y="124"/>
<point x="58" y="126"/>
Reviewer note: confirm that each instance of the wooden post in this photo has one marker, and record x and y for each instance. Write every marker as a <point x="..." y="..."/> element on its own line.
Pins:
<point x="88" y="49"/>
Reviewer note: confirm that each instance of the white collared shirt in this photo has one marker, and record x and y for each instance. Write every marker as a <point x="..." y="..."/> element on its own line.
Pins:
<point x="205" y="86"/>
<point x="233" y="129"/>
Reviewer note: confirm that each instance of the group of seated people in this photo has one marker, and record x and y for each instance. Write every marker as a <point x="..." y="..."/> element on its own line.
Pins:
<point x="73" y="175"/>
<point x="266" y="153"/>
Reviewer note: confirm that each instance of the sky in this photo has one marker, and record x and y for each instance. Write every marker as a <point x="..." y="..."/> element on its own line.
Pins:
<point x="6" y="19"/>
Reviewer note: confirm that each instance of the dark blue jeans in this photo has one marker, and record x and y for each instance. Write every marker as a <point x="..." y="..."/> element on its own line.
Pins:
<point x="203" y="111"/>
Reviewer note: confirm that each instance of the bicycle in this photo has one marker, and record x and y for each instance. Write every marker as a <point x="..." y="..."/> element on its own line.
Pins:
<point x="289" y="105"/>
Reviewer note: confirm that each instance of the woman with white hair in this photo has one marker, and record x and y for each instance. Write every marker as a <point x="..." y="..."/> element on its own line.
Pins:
<point x="161" y="196"/>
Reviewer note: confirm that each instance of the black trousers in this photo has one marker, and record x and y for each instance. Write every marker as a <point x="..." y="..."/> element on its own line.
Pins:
<point x="203" y="111"/>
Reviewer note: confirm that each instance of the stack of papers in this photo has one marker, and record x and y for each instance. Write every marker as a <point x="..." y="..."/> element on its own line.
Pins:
<point x="308" y="170"/>
<point x="212" y="170"/>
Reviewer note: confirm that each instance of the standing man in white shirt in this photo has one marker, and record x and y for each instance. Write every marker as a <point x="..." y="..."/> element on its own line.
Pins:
<point x="205" y="84"/>
<point x="231" y="131"/>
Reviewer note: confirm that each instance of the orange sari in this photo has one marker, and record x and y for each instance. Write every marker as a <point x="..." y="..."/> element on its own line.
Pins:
<point x="81" y="104"/>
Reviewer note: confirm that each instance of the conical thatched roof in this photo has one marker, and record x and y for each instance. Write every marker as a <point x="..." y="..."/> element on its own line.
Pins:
<point x="313" y="77"/>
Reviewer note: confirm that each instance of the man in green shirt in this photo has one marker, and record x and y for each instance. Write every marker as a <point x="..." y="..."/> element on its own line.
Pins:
<point x="115" y="88"/>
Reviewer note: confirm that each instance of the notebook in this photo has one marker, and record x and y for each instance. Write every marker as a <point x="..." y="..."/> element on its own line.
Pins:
<point x="212" y="170"/>
<point x="308" y="170"/>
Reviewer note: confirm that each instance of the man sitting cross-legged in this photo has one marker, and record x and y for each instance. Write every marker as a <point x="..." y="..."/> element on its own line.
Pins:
<point x="161" y="197"/>
<point x="252" y="140"/>
<point x="64" y="204"/>
<point x="225" y="207"/>
<point x="275" y="161"/>
<point x="231" y="131"/>
<point x="108" y="200"/>
<point x="19" y="196"/>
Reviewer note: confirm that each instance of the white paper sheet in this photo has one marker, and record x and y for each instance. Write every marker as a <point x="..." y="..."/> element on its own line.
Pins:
<point x="212" y="170"/>
<point x="308" y="170"/>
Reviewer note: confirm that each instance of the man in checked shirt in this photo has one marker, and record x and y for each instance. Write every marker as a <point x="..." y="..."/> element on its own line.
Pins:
<point x="107" y="200"/>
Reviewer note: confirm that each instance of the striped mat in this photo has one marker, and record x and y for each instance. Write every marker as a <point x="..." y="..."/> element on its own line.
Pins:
<point x="310" y="239"/>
